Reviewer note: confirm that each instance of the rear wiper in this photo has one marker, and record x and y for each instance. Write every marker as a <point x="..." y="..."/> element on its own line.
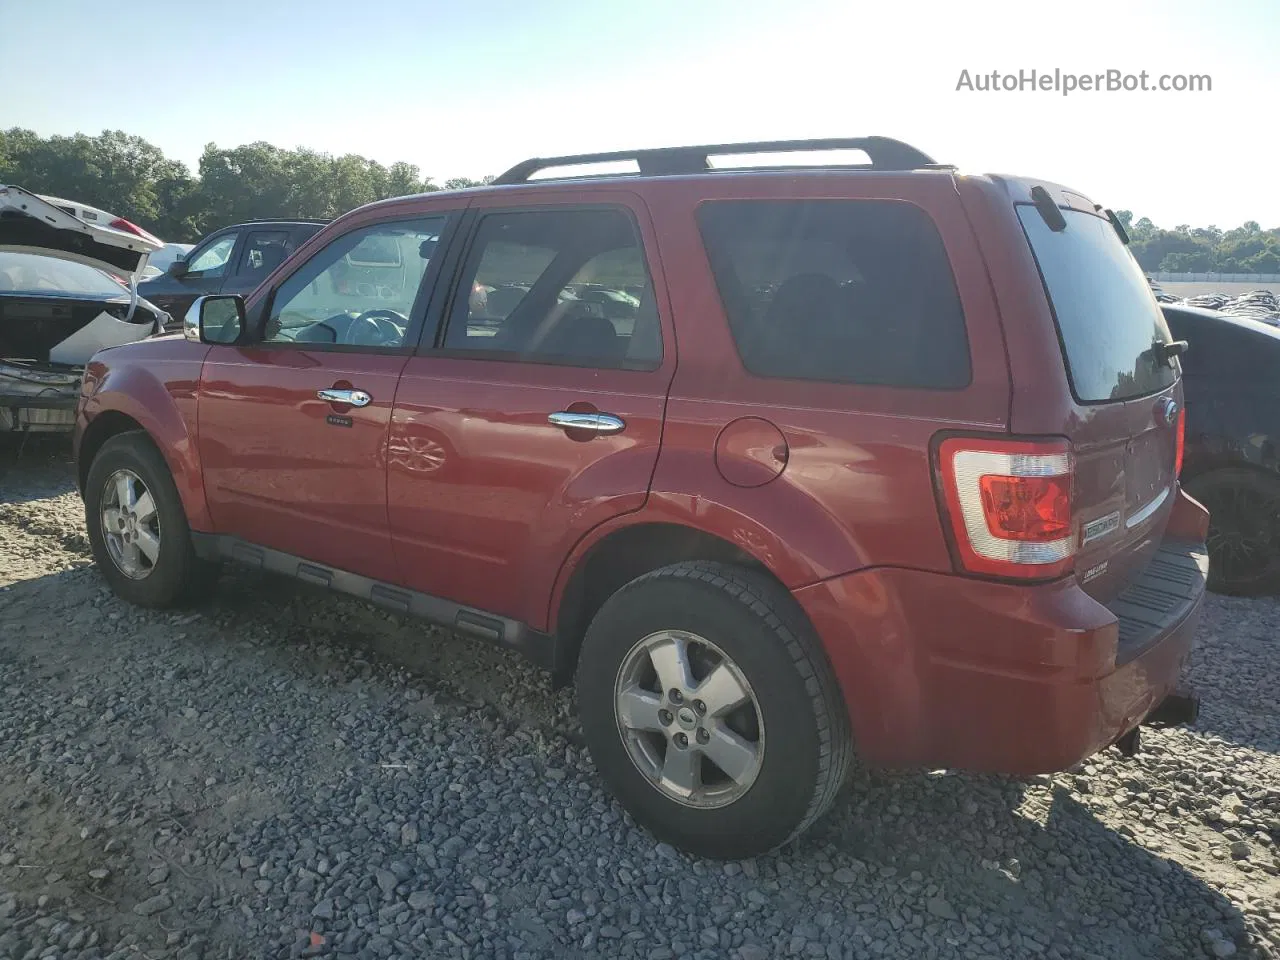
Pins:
<point x="1165" y="352"/>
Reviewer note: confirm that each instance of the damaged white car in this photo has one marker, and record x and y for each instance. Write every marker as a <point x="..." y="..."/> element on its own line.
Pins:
<point x="68" y="288"/>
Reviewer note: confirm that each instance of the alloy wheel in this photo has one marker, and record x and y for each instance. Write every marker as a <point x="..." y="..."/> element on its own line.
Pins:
<point x="689" y="718"/>
<point x="130" y="524"/>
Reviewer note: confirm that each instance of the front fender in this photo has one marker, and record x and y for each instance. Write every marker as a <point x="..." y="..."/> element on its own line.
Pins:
<point x="161" y="396"/>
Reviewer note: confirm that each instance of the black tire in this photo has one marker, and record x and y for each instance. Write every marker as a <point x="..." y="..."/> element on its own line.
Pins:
<point x="759" y="626"/>
<point x="178" y="576"/>
<point x="1244" y="529"/>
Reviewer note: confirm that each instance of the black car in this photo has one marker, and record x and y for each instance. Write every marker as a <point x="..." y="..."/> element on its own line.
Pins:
<point x="231" y="260"/>
<point x="1231" y="383"/>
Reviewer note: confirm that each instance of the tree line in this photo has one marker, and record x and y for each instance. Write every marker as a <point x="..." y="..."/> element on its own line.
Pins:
<point x="133" y="178"/>
<point x="1186" y="249"/>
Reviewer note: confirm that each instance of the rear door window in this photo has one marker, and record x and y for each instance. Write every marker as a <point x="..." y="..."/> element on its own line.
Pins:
<point x="1107" y="316"/>
<point x="552" y="286"/>
<point x="846" y="291"/>
<point x="264" y="250"/>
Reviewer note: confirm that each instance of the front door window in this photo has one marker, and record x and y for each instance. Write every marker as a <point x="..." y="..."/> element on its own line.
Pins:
<point x="360" y="290"/>
<point x="212" y="260"/>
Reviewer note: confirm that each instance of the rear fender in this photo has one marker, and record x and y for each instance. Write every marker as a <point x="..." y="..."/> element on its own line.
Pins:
<point x="794" y="564"/>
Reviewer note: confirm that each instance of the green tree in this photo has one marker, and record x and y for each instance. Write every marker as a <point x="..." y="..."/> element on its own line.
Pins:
<point x="1142" y="229"/>
<point x="462" y="183"/>
<point x="133" y="178"/>
<point x="1266" y="262"/>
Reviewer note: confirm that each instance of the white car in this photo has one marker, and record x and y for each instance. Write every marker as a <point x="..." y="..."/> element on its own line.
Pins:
<point x="68" y="288"/>
<point x="96" y="215"/>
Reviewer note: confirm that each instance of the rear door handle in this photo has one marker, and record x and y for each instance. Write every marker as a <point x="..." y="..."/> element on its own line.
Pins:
<point x="352" y="398"/>
<point x="602" y="423"/>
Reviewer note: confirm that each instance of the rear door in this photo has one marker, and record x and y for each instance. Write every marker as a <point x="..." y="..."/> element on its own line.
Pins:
<point x="1125" y="389"/>
<point x="533" y="415"/>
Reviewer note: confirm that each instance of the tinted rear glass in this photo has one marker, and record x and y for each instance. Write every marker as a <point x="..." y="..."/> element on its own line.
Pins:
<point x="1107" y="317"/>
<point x="37" y="275"/>
<point x="852" y="291"/>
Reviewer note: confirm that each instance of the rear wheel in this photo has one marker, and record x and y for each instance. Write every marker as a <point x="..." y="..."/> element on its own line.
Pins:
<point x="711" y="711"/>
<point x="1244" y="529"/>
<point x="137" y="527"/>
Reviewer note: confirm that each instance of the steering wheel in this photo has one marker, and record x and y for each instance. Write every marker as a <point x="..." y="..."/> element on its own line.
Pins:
<point x="375" y="327"/>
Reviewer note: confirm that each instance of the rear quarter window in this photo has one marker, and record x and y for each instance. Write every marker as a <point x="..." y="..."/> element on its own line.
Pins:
<point x="1108" y="319"/>
<point x="847" y="291"/>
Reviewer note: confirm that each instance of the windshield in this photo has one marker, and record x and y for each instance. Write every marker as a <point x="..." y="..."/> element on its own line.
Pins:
<point x="1107" y="317"/>
<point x="38" y="275"/>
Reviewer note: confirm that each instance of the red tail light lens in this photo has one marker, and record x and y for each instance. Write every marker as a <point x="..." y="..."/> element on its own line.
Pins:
<point x="1009" y="503"/>
<point x="120" y="223"/>
<point x="1180" y="445"/>
<point x="1027" y="508"/>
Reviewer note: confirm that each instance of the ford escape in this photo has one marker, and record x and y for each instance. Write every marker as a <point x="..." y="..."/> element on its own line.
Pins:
<point x="786" y="465"/>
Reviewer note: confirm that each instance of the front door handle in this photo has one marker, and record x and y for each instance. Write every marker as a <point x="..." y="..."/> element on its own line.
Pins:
<point x="602" y="423"/>
<point x="352" y="398"/>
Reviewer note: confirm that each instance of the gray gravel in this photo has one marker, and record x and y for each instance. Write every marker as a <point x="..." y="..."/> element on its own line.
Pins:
<point x="284" y="773"/>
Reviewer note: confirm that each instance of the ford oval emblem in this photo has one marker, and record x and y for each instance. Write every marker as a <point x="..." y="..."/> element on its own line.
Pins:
<point x="1169" y="410"/>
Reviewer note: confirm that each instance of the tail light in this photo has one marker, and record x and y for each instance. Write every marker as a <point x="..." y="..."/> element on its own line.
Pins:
<point x="1180" y="444"/>
<point x="120" y="223"/>
<point x="1009" y="503"/>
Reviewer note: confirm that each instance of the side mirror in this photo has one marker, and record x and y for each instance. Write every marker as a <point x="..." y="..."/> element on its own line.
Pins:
<point x="215" y="319"/>
<point x="177" y="269"/>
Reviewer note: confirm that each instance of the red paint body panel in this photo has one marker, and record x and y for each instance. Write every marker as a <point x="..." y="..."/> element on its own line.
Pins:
<point x="942" y="671"/>
<point x="1122" y="454"/>
<point x="279" y="473"/>
<point x="155" y="383"/>
<point x="857" y="489"/>
<point x="486" y="498"/>
<point x="453" y="483"/>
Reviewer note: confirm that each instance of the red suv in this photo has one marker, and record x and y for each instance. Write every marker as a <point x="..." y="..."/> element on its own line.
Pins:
<point x="786" y="464"/>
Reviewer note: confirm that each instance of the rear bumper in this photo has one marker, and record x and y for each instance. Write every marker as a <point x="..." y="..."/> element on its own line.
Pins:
<point x="36" y="400"/>
<point x="945" y="671"/>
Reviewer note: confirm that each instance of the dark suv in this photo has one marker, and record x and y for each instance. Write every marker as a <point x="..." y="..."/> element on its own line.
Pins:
<point x="231" y="260"/>
<point x="787" y="465"/>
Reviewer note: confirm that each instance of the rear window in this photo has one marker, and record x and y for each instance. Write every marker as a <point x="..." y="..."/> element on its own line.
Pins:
<point x="1107" y="317"/>
<point x="848" y="291"/>
<point x="43" y="276"/>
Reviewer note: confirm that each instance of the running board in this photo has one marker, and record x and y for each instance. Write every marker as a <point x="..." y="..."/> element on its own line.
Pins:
<point x="539" y="648"/>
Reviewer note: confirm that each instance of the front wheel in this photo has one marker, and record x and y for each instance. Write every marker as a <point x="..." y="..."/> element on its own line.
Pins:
<point x="137" y="527"/>
<point x="1244" y="529"/>
<point x="711" y="711"/>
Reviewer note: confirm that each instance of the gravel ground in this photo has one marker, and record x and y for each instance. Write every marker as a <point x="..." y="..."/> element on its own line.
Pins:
<point x="284" y="773"/>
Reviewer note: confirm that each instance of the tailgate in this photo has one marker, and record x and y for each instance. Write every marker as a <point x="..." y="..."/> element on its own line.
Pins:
<point x="1126" y="388"/>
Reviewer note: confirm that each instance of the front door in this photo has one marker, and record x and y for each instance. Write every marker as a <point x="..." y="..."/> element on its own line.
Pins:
<point x="293" y="425"/>
<point x="536" y="413"/>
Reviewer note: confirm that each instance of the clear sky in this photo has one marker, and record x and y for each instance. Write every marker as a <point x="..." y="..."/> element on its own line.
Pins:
<point x="468" y="88"/>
